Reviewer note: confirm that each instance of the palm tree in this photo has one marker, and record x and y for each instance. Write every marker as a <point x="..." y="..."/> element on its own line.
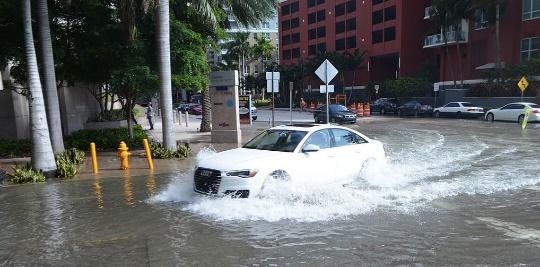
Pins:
<point x="441" y="15"/>
<point x="247" y="12"/>
<point x="49" y="78"/>
<point x="264" y="48"/>
<point x="459" y="12"/>
<point x="495" y="10"/>
<point x="42" y="152"/>
<point x="241" y="49"/>
<point x="163" y="36"/>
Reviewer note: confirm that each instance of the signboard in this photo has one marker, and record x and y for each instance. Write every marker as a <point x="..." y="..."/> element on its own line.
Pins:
<point x="330" y="89"/>
<point x="523" y="84"/>
<point x="244" y="109"/>
<point x="224" y="78"/>
<point x="272" y="82"/>
<point x="326" y="71"/>
<point x="377" y="88"/>
<point x="527" y="112"/>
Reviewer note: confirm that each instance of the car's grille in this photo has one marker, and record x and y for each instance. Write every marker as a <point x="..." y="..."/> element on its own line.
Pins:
<point x="207" y="180"/>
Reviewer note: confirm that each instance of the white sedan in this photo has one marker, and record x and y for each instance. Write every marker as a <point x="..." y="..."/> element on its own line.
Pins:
<point x="514" y="112"/>
<point x="301" y="153"/>
<point x="459" y="110"/>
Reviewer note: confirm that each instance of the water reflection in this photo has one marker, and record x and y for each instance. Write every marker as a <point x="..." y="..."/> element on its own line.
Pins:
<point x="54" y="214"/>
<point x="128" y="189"/>
<point x="151" y="184"/>
<point x="98" y="192"/>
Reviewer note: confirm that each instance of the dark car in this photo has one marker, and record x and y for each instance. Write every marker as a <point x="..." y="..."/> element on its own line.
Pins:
<point x="338" y="113"/>
<point x="195" y="109"/>
<point x="185" y="106"/>
<point x="384" y="106"/>
<point x="414" y="108"/>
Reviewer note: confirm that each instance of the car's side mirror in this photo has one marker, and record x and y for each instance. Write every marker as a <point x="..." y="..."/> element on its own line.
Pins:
<point x="311" y="148"/>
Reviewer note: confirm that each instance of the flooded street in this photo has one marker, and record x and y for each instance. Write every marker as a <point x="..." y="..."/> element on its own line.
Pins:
<point x="452" y="192"/>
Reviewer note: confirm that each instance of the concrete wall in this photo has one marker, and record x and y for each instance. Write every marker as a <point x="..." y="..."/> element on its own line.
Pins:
<point x="14" y="115"/>
<point x="77" y="105"/>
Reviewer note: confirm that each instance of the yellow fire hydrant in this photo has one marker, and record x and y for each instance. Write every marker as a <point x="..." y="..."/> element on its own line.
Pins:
<point x="123" y="155"/>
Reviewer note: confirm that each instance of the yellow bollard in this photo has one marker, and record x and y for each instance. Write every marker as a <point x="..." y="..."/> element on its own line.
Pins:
<point x="123" y="155"/>
<point x="94" y="157"/>
<point x="148" y="154"/>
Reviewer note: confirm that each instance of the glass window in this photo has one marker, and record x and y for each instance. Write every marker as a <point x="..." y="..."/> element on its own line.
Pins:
<point x="340" y="27"/>
<point x="312" y="34"/>
<point x="351" y="24"/>
<point x="340" y="44"/>
<point x="266" y="25"/>
<point x="295" y="53"/>
<point x="286" y="39"/>
<point x="319" y="138"/>
<point x="452" y="105"/>
<point x="321" y="48"/>
<point x="320" y="2"/>
<point x="467" y="105"/>
<point x="287" y="54"/>
<point x="530" y="48"/>
<point x="321" y="32"/>
<point x="286" y="9"/>
<point x="312" y="18"/>
<point x="514" y="106"/>
<point x="277" y="140"/>
<point x="321" y="15"/>
<point x="311" y="3"/>
<point x="295" y="23"/>
<point x="285" y="25"/>
<point x="390" y="13"/>
<point x="295" y="7"/>
<point x="375" y="2"/>
<point x="480" y="19"/>
<point x="351" y="42"/>
<point x="351" y="6"/>
<point x="389" y="34"/>
<point x="531" y="9"/>
<point x="295" y="38"/>
<point x="377" y="17"/>
<point x="340" y="10"/>
<point x="346" y="138"/>
<point x="312" y="50"/>
<point x="377" y="37"/>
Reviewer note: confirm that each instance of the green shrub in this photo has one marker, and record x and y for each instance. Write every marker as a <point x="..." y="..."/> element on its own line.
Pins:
<point x="106" y="139"/>
<point x="406" y="87"/>
<point x="25" y="174"/>
<point x="68" y="162"/>
<point x="15" y="148"/>
<point x="160" y="152"/>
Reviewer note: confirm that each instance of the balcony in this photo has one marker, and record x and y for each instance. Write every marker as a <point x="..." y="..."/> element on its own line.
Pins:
<point x="428" y="11"/>
<point x="437" y="39"/>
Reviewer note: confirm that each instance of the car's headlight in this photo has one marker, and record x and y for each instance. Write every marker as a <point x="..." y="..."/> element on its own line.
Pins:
<point x="242" y="173"/>
<point x="340" y="115"/>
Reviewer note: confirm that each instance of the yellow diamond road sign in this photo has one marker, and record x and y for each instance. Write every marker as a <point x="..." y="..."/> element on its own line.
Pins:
<point x="523" y="84"/>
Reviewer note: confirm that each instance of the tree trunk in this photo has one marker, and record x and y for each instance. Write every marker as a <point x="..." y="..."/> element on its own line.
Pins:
<point x="498" y="43"/>
<point x="49" y="79"/>
<point x="165" y="74"/>
<point x="206" y="122"/>
<point x="42" y="152"/>
<point x="445" y="40"/>
<point x="460" y="64"/>
<point x="128" y="109"/>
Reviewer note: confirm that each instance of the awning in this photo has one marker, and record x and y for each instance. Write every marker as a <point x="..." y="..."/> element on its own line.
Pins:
<point x="489" y="66"/>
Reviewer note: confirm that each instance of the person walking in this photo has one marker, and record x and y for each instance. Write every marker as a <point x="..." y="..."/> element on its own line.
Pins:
<point x="302" y="104"/>
<point x="149" y="114"/>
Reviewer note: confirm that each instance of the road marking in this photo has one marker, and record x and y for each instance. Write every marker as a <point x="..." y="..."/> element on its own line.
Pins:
<point x="512" y="229"/>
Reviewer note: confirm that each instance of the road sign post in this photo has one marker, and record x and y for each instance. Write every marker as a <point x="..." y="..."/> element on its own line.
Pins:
<point x="291" y="85"/>
<point x="272" y="84"/>
<point x="326" y="72"/>
<point x="523" y="84"/>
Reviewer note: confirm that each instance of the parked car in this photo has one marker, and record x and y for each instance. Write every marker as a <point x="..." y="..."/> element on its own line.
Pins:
<point x="384" y="106"/>
<point x="184" y="107"/>
<point x="338" y="114"/>
<point x="414" y="108"/>
<point x="244" y="112"/>
<point x="195" y="109"/>
<point x="514" y="112"/>
<point x="309" y="154"/>
<point x="459" y="110"/>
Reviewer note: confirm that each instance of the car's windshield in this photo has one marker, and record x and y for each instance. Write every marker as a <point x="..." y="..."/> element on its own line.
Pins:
<point x="338" y="108"/>
<point x="465" y="104"/>
<point x="277" y="140"/>
<point x="535" y="106"/>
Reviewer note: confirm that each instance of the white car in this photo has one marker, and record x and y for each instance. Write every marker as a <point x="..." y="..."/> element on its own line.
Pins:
<point x="459" y="110"/>
<point x="243" y="111"/>
<point x="514" y="112"/>
<point x="301" y="154"/>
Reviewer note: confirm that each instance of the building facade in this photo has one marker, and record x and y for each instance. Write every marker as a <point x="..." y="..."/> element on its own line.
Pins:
<point x="399" y="37"/>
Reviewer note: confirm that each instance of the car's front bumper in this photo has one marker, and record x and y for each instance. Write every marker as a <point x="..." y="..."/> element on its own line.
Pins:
<point x="228" y="185"/>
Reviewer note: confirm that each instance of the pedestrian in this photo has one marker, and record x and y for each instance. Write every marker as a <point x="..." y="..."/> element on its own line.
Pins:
<point x="302" y="104"/>
<point x="149" y="113"/>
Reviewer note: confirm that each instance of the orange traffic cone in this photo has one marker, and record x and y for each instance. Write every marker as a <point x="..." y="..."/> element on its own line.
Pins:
<point x="312" y="107"/>
<point x="367" y="111"/>
<point x="359" y="110"/>
<point x="353" y="108"/>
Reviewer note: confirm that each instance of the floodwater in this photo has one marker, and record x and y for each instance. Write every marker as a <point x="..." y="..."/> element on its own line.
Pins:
<point x="452" y="192"/>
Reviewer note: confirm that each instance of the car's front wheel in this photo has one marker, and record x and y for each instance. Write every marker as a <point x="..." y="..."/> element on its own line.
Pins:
<point x="490" y="117"/>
